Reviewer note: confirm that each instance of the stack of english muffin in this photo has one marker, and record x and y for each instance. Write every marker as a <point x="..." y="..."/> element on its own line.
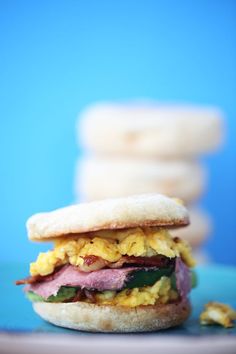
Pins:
<point x="149" y="148"/>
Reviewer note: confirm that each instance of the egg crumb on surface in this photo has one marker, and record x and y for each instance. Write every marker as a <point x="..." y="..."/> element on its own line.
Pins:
<point x="218" y="313"/>
<point x="160" y="292"/>
<point x="111" y="245"/>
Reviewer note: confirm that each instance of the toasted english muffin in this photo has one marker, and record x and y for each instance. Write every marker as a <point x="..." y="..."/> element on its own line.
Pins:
<point x="95" y="318"/>
<point x="140" y="210"/>
<point x="99" y="177"/>
<point x="150" y="129"/>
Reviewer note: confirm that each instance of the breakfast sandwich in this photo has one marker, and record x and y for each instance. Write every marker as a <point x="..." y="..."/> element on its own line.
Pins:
<point x="114" y="266"/>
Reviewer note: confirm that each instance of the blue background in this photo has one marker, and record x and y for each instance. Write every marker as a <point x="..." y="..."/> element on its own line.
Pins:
<point x="58" y="56"/>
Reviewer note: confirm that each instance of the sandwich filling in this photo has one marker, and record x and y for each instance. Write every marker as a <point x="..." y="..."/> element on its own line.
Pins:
<point x="131" y="267"/>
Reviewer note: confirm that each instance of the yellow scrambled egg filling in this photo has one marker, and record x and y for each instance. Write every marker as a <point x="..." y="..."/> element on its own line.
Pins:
<point x="160" y="292"/>
<point x="216" y="312"/>
<point x="111" y="245"/>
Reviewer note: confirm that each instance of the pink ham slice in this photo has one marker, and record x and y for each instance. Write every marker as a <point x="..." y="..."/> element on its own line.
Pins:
<point x="183" y="278"/>
<point x="103" y="279"/>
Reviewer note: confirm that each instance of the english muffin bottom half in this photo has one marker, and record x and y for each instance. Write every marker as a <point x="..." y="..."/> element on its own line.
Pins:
<point x="114" y="266"/>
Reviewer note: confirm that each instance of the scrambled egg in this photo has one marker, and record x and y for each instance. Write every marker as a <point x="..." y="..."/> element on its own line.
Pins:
<point x="160" y="292"/>
<point x="111" y="245"/>
<point x="216" y="312"/>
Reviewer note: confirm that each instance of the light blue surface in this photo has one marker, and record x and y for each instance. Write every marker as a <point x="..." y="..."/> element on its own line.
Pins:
<point x="58" y="56"/>
<point x="215" y="284"/>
